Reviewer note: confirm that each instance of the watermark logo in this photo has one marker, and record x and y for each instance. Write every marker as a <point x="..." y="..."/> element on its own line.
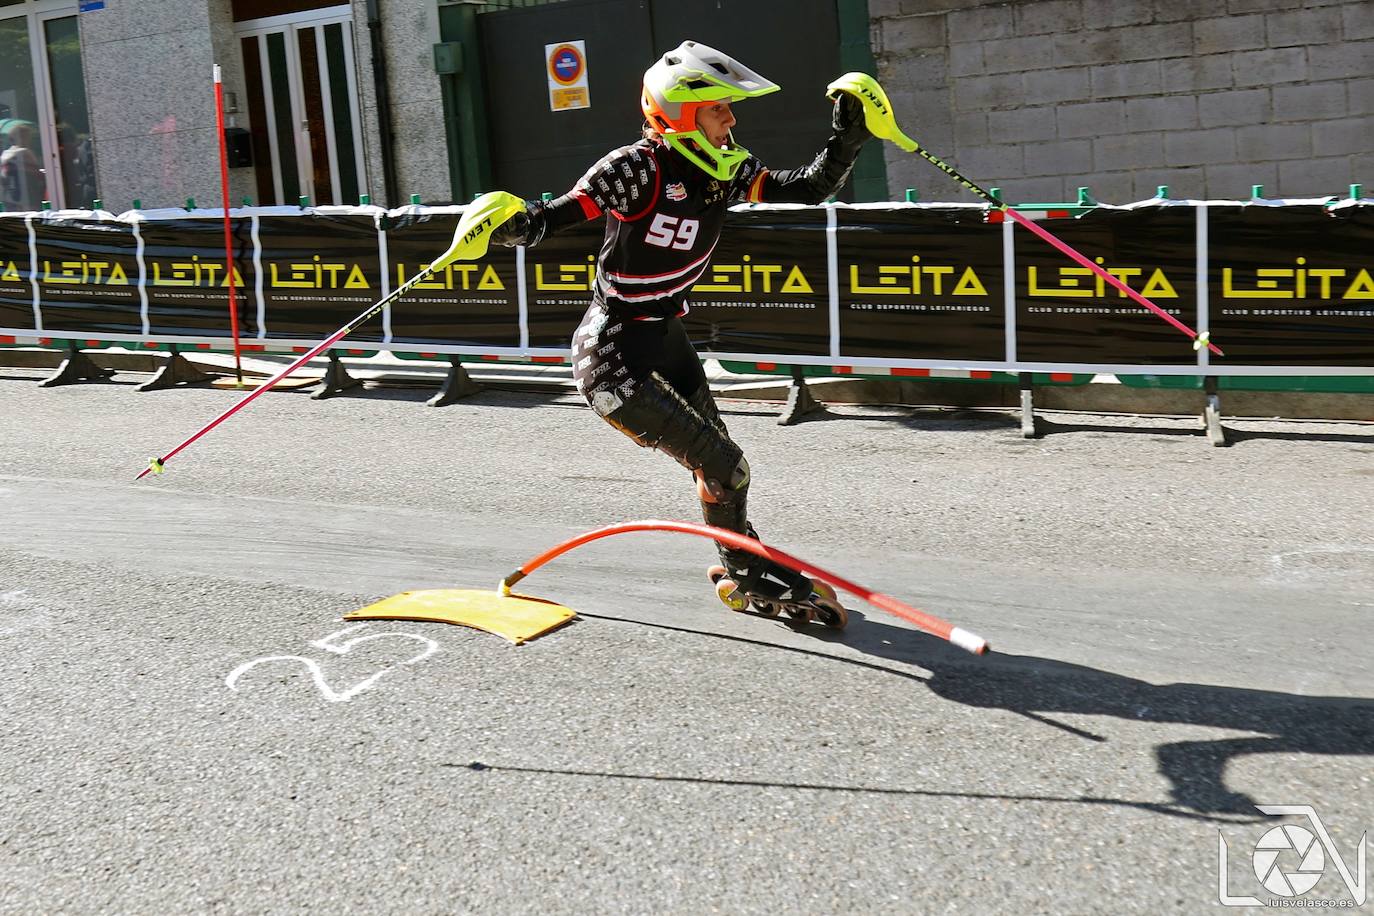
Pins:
<point x="1290" y="859"/>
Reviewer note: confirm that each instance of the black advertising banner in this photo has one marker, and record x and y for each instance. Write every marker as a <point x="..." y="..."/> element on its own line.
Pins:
<point x="1292" y="286"/>
<point x="920" y="283"/>
<point x="1288" y="286"/>
<point x="186" y="281"/>
<point x="559" y="275"/>
<point x="320" y="271"/>
<point x="1067" y="314"/>
<point x="767" y="287"/>
<point x="16" y="292"/>
<point x="467" y="303"/>
<point x="88" y="276"/>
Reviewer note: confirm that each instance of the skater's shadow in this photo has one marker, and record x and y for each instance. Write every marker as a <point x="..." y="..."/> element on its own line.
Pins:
<point x="1038" y="688"/>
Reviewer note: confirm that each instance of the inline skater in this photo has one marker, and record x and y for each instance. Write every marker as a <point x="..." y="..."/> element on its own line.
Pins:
<point x="665" y="199"/>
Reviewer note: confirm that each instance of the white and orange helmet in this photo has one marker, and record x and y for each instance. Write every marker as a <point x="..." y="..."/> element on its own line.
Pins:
<point x="690" y="76"/>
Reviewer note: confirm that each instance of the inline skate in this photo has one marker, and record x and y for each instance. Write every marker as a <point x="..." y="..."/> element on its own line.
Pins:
<point x="771" y="590"/>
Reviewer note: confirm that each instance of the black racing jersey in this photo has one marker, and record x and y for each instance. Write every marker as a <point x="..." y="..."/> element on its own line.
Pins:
<point x="664" y="216"/>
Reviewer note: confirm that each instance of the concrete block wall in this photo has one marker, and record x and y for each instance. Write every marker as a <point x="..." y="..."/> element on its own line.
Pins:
<point x="1208" y="97"/>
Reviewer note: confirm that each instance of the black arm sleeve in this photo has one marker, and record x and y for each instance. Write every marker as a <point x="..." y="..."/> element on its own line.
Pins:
<point x="623" y="181"/>
<point x="828" y="172"/>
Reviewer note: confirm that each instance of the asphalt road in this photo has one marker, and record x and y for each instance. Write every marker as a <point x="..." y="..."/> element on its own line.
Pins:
<point x="1180" y="633"/>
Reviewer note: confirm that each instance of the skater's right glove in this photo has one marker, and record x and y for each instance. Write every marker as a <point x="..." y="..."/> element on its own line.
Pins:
<point x="528" y="228"/>
<point x="513" y="231"/>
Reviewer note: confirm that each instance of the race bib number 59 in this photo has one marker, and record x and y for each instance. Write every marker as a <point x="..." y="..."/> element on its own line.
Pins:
<point x="670" y="232"/>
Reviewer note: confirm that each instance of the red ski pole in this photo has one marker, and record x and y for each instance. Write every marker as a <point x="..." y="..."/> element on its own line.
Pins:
<point x="469" y="243"/>
<point x="156" y="465"/>
<point x="1199" y="340"/>
<point x="881" y="123"/>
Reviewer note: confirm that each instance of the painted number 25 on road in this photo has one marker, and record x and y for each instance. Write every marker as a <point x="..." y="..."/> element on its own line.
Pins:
<point x="337" y="646"/>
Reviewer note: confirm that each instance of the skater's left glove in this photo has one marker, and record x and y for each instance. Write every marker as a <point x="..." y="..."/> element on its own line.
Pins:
<point x="847" y="122"/>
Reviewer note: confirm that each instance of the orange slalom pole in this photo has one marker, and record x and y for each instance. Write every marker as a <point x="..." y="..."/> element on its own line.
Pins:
<point x="960" y="637"/>
<point x="228" y="236"/>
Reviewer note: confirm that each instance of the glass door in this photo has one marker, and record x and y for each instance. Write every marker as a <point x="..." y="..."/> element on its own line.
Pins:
<point x="71" y="153"/>
<point x="46" y="152"/>
<point x="303" y="104"/>
<point x="23" y="178"/>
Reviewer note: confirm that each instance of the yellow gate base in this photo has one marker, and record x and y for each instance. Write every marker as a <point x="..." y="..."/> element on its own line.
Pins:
<point x="518" y="618"/>
<point x="290" y="382"/>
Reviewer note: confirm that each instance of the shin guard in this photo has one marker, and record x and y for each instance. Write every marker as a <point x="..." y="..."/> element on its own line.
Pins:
<point x="657" y="416"/>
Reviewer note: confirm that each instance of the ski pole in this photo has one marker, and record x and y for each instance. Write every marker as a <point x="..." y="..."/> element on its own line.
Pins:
<point x="960" y="637"/>
<point x="157" y="465"/>
<point x="469" y="243"/>
<point x="879" y="120"/>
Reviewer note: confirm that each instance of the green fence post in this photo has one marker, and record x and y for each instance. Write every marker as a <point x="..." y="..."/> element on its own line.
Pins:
<point x="1256" y="191"/>
<point x="190" y="203"/>
<point x="1162" y="192"/>
<point x="912" y="195"/>
<point x="1085" y="198"/>
<point x="1356" y="191"/>
<point x="138" y="204"/>
<point x="304" y="201"/>
<point x="869" y="181"/>
<point x="364" y="199"/>
<point x="97" y="204"/>
<point x="462" y="83"/>
<point x="415" y="200"/>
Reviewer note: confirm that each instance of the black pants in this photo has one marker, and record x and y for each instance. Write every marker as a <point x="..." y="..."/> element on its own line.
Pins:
<point x="646" y="380"/>
<point x="613" y="356"/>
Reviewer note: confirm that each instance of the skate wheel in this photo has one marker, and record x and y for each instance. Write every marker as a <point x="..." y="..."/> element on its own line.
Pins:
<point x="824" y="590"/>
<point x="831" y="613"/>
<point x="766" y="608"/>
<point x="730" y="595"/>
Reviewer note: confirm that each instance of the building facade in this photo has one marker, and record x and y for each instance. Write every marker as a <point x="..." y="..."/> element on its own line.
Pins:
<point x="385" y="99"/>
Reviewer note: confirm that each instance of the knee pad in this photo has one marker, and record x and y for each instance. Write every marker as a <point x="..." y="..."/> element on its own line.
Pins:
<point x="724" y="488"/>
<point x="656" y="416"/>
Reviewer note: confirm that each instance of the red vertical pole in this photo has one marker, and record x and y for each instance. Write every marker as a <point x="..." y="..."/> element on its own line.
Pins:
<point x="228" y="234"/>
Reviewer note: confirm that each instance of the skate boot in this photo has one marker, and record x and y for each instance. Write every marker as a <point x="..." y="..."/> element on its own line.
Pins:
<point x="771" y="589"/>
<point x="745" y="579"/>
